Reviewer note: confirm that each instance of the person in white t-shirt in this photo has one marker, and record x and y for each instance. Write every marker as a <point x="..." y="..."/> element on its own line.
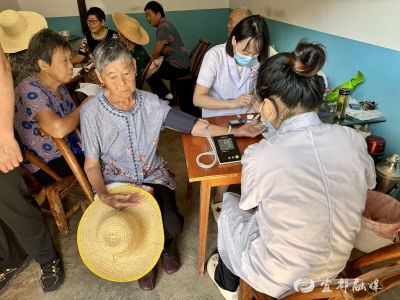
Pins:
<point x="227" y="76"/>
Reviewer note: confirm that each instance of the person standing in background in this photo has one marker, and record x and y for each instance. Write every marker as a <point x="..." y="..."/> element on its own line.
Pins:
<point x="16" y="30"/>
<point x="170" y="45"/>
<point x="237" y="15"/>
<point x="96" y="20"/>
<point x="24" y="233"/>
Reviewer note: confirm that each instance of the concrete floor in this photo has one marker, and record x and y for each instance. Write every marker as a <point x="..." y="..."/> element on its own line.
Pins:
<point x="81" y="283"/>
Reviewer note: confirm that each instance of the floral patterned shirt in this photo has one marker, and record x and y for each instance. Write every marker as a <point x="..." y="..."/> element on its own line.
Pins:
<point x="174" y="50"/>
<point x="126" y="142"/>
<point x="32" y="97"/>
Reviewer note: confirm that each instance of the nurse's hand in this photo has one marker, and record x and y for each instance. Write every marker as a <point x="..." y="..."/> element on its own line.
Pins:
<point x="120" y="201"/>
<point x="242" y="100"/>
<point x="248" y="131"/>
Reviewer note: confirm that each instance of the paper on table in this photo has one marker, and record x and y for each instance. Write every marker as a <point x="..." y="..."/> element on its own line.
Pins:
<point x="75" y="72"/>
<point x="90" y="89"/>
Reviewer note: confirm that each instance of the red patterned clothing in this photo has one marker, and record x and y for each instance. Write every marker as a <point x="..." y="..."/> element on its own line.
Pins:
<point x="174" y="50"/>
<point x="20" y="66"/>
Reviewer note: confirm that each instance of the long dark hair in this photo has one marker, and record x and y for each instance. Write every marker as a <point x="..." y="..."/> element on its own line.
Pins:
<point x="292" y="77"/>
<point x="255" y="28"/>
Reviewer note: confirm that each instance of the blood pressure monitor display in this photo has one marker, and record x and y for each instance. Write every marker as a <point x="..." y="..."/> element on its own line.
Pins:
<point x="227" y="149"/>
<point x="226" y="144"/>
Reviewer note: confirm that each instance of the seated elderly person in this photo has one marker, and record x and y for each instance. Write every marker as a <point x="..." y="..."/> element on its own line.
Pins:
<point x="133" y="36"/>
<point x="42" y="101"/>
<point x="303" y="188"/>
<point x="120" y="131"/>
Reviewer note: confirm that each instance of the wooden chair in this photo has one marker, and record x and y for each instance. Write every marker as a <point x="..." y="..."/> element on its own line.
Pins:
<point x="54" y="192"/>
<point x="143" y="78"/>
<point x="203" y="47"/>
<point x="388" y="276"/>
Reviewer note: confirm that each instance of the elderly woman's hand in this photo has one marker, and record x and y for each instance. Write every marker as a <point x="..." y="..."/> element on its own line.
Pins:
<point x="120" y="201"/>
<point x="248" y="130"/>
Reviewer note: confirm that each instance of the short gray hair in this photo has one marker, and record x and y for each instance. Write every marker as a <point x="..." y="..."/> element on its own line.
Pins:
<point x="43" y="45"/>
<point x="244" y="11"/>
<point x="108" y="51"/>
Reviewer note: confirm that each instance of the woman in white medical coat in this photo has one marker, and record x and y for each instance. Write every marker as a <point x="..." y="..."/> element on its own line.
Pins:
<point x="303" y="189"/>
<point x="227" y="76"/>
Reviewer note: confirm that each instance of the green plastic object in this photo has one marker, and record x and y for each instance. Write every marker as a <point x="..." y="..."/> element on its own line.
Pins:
<point x="351" y="84"/>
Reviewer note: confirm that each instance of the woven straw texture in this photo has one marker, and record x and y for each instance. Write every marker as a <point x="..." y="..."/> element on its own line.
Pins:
<point x="130" y="28"/>
<point x="121" y="245"/>
<point x="17" y="28"/>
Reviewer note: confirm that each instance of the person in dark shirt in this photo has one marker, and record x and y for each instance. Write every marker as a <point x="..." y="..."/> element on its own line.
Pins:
<point x="96" y="20"/>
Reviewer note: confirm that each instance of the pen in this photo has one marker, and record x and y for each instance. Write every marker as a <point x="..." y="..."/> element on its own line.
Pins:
<point x="256" y="118"/>
<point x="240" y="118"/>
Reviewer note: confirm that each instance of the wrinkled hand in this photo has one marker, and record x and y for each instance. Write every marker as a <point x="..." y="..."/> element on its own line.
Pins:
<point x="155" y="63"/>
<point x="248" y="131"/>
<point x="242" y="100"/>
<point x="10" y="154"/>
<point x="120" y="201"/>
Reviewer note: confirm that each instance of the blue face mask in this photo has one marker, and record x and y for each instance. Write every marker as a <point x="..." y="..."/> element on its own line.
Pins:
<point x="244" y="60"/>
<point x="267" y="124"/>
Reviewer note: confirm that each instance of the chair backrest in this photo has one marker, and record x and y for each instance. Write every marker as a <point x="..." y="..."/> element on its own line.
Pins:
<point x="143" y="78"/>
<point x="204" y="45"/>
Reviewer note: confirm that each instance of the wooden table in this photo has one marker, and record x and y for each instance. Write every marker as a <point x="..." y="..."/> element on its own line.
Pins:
<point x="216" y="176"/>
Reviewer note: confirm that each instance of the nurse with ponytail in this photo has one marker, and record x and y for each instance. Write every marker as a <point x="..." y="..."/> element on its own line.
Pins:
<point x="303" y="189"/>
<point x="228" y="74"/>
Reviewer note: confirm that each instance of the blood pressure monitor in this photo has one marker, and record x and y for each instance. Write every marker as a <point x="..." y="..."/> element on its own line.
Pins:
<point x="227" y="149"/>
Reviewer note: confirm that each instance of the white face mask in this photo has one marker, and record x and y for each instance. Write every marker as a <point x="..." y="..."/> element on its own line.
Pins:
<point x="267" y="124"/>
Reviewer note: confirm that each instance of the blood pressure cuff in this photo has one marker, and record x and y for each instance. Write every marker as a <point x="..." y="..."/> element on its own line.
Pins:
<point x="180" y="121"/>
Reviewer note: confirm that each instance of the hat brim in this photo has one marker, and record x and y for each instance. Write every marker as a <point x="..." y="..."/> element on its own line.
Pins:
<point x="121" y="20"/>
<point x="12" y="44"/>
<point x="99" y="263"/>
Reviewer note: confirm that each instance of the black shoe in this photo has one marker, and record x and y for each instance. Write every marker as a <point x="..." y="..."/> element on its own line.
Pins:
<point x="52" y="277"/>
<point x="8" y="275"/>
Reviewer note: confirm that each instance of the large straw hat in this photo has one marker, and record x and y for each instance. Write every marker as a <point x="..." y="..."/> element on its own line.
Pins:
<point x="130" y="28"/>
<point x="17" y="28"/>
<point x="121" y="245"/>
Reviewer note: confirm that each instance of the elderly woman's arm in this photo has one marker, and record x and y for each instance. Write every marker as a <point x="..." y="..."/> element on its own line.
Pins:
<point x="117" y="201"/>
<point x="246" y="130"/>
<point x="58" y="127"/>
<point x="10" y="154"/>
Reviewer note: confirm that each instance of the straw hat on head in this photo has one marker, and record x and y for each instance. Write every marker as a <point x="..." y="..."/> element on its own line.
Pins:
<point x="130" y="28"/>
<point x="17" y="28"/>
<point x="121" y="245"/>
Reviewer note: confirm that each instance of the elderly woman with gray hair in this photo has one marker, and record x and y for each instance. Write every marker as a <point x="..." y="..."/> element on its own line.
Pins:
<point x="120" y="132"/>
<point x="42" y="101"/>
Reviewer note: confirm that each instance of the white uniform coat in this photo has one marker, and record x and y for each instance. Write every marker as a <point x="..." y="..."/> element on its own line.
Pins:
<point x="219" y="72"/>
<point x="303" y="193"/>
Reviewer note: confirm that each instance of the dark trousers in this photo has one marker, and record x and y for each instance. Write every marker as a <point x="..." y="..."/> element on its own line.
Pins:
<point x="172" y="219"/>
<point x="225" y="278"/>
<point x="185" y="90"/>
<point x="23" y="227"/>
<point x="60" y="166"/>
<point x="168" y="72"/>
